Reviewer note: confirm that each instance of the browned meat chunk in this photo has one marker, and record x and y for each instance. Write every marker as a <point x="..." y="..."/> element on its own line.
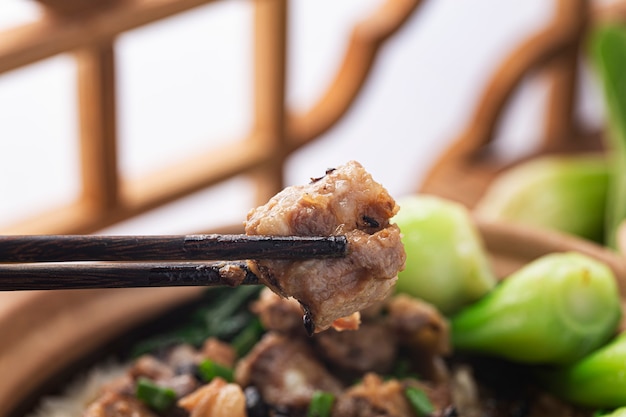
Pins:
<point x="419" y="325"/>
<point x="150" y="367"/>
<point x="217" y="399"/>
<point x="351" y="322"/>
<point x="124" y="385"/>
<point x="181" y="358"/>
<point x="425" y="333"/>
<point x="181" y="384"/>
<point x="219" y="352"/>
<point x="371" y="348"/>
<point x="346" y="201"/>
<point x="112" y="404"/>
<point x="373" y="398"/>
<point x="283" y="315"/>
<point x="285" y="371"/>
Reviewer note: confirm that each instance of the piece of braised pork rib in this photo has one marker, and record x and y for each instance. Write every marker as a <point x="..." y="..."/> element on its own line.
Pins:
<point x="345" y="201"/>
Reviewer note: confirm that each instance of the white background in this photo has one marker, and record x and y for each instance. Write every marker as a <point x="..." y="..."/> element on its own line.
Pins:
<point x="185" y="83"/>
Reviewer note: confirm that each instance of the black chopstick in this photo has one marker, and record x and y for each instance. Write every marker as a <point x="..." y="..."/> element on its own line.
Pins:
<point x="56" y="276"/>
<point x="67" y="248"/>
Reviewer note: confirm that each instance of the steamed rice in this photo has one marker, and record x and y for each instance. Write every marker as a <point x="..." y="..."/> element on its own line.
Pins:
<point x="80" y="391"/>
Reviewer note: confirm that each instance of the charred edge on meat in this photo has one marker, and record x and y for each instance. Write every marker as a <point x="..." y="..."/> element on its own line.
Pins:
<point x="307" y="319"/>
<point x="265" y="275"/>
<point x="370" y="221"/>
<point x="328" y="171"/>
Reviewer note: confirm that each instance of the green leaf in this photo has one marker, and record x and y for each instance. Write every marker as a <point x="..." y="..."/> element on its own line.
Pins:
<point x="620" y="412"/>
<point x="608" y="52"/>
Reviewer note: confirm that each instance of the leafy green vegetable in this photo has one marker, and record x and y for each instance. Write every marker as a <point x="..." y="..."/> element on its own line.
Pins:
<point x="608" y="52"/>
<point x="224" y="315"/>
<point x="446" y="263"/>
<point x="248" y="337"/>
<point x="154" y="396"/>
<point x="597" y="380"/>
<point x="321" y="404"/>
<point x="554" y="310"/>
<point x="619" y="412"/>
<point x="419" y="401"/>
<point x="566" y="193"/>
<point x="209" y="369"/>
<point x="229" y="314"/>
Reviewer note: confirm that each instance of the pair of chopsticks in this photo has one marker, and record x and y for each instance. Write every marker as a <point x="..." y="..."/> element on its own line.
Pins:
<point x="45" y="262"/>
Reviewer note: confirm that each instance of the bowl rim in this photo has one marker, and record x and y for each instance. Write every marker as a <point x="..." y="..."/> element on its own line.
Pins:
<point x="49" y="327"/>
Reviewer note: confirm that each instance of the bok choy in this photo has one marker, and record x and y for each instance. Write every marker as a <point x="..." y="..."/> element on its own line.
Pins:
<point x="554" y="310"/>
<point x="446" y="263"/>
<point x="608" y="52"/>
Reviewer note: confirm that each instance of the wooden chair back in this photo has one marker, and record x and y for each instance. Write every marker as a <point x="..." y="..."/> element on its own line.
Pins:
<point x="88" y="31"/>
<point x="467" y="167"/>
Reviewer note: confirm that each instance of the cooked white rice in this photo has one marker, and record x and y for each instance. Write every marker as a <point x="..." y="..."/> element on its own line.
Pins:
<point x="79" y="392"/>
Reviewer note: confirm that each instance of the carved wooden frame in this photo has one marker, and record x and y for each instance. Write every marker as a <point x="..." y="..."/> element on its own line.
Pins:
<point x="89" y="33"/>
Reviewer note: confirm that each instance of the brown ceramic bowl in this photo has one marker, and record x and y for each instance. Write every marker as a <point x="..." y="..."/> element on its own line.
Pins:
<point x="43" y="333"/>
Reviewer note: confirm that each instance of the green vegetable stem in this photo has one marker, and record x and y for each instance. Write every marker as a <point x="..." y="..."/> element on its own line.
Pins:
<point x="566" y="193"/>
<point x="597" y="380"/>
<point x="619" y="412"/>
<point x="554" y="310"/>
<point x="608" y="53"/>
<point x="446" y="263"/>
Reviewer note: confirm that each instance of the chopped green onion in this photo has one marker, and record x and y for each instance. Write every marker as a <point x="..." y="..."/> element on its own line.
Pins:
<point x="419" y="401"/>
<point x="154" y="396"/>
<point x="248" y="337"/>
<point x="321" y="404"/>
<point x="209" y="370"/>
<point x="219" y="318"/>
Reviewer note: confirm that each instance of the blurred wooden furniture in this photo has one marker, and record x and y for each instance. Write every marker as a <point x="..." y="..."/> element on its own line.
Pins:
<point x="43" y="332"/>
<point x="467" y="167"/>
<point x="88" y="30"/>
